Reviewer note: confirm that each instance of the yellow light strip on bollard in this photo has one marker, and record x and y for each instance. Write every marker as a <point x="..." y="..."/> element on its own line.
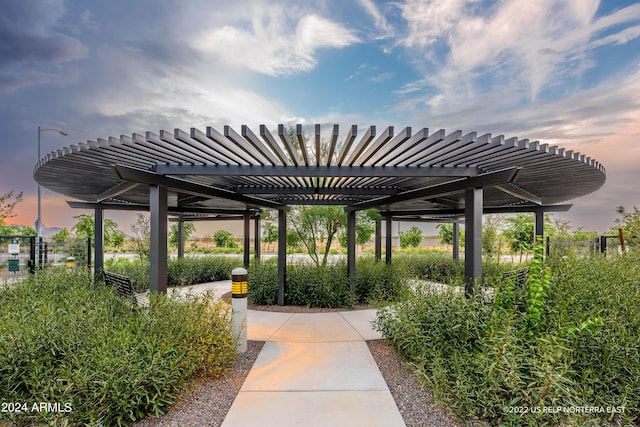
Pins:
<point x="239" y="289"/>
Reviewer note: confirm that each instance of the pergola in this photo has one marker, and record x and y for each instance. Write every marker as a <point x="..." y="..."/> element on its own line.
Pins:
<point x="222" y="174"/>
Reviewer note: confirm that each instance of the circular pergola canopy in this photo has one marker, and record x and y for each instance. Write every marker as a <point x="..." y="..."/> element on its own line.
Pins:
<point x="405" y="172"/>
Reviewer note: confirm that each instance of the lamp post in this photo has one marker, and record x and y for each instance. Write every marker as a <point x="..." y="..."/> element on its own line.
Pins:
<point x="39" y="220"/>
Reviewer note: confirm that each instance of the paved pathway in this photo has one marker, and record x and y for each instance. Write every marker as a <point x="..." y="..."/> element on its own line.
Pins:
<point x="314" y="370"/>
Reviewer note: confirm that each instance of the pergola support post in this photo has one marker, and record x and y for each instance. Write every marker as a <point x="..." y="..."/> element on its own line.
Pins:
<point x="158" y="249"/>
<point x="378" y="239"/>
<point x="98" y="235"/>
<point x="539" y="229"/>
<point x="473" y="240"/>
<point x="389" y="239"/>
<point x="256" y="237"/>
<point x="246" y="235"/>
<point x="456" y="241"/>
<point x="180" y="238"/>
<point x="351" y="250"/>
<point x="282" y="255"/>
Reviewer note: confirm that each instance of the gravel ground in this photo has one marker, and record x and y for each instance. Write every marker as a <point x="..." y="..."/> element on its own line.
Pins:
<point x="208" y="402"/>
<point x="415" y="403"/>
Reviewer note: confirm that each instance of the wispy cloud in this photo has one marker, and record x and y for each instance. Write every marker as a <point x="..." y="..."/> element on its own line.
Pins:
<point x="379" y="20"/>
<point x="274" y="43"/>
<point x="523" y="46"/>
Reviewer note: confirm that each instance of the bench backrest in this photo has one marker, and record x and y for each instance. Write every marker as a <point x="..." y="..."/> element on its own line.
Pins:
<point x="121" y="283"/>
<point x="518" y="276"/>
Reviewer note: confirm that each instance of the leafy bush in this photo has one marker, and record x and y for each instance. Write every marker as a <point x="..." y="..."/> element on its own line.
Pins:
<point x="193" y="270"/>
<point x="180" y="271"/>
<point x="492" y="362"/>
<point x="65" y="340"/>
<point x="328" y="286"/>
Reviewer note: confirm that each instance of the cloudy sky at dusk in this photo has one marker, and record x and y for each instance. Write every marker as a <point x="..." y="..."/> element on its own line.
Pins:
<point x="557" y="71"/>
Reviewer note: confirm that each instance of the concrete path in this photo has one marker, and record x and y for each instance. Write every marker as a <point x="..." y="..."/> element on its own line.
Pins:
<point x="314" y="370"/>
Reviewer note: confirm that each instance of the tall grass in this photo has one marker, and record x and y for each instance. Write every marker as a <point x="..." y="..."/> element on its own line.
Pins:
<point x="570" y="357"/>
<point x="65" y="340"/>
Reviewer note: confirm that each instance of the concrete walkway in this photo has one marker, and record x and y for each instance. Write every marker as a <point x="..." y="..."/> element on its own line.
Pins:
<point x="314" y="370"/>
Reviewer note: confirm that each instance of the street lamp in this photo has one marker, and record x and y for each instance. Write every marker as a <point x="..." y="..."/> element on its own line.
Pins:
<point x="39" y="220"/>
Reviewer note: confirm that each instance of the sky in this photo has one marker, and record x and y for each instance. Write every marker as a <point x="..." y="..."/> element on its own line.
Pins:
<point x="557" y="71"/>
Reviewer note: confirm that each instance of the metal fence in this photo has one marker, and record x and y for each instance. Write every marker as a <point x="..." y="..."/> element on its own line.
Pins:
<point x="17" y="256"/>
<point x="20" y="255"/>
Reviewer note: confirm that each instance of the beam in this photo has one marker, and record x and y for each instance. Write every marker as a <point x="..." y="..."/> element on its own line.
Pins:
<point x="486" y="210"/>
<point x="520" y="193"/>
<point x="117" y="190"/>
<point x="473" y="240"/>
<point x="150" y="178"/>
<point x="171" y="209"/>
<point x="158" y="246"/>
<point x="484" y="180"/>
<point x="313" y="171"/>
<point x="346" y="191"/>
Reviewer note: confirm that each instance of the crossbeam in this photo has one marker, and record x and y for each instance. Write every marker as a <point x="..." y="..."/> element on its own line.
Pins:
<point x="316" y="171"/>
<point x="143" y="177"/>
<point x="484" y="180"/>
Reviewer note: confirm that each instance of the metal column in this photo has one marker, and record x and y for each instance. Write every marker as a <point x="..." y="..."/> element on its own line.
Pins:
<point x="378" y="239"/>
<point x="98" y="236"/>
<point x="351" y="250"/>
<point x="180" y="238"/>
<point x="389" y="239"/>
<point x="456" y="241"/>
<point x="247" y="240"/>
<point x="539" y="227"/>
<point x="282" y="255"/>
<point x="158" y="249"/>
<point x="473" y="240"/>
<point x="256" y="237"/>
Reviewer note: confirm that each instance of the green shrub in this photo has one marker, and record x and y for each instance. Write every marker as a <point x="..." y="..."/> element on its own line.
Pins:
<point x="329" y="286"/>
<point x="180" y="271"/>
<point x="262" y="282"/>
<point x="491" y="362"/>
<point x="65" y="340"/>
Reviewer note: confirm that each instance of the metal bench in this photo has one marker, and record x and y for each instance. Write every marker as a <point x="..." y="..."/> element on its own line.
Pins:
<point x="519" y="277"/>
<point x="123" y="287"/>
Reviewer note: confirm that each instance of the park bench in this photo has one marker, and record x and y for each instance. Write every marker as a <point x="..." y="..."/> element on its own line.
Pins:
<point x="518" y="276"/>
<point x="123" y="287"/>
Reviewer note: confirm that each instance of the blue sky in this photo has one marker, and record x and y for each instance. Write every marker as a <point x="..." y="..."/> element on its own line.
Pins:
<point x="562" y="72"/>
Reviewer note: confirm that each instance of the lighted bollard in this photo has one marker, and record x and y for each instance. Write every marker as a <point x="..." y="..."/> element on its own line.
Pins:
<point x="239" y="308"/>
<point x="71" y="262"/>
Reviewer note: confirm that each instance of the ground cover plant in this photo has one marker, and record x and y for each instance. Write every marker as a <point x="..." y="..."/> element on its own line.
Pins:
<point x="563" y="350"/>
<point x="95" y="358"/>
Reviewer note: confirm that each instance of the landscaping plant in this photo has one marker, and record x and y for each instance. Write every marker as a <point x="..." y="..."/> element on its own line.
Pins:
<point x="97" y="359"/>
<point x="563" y="350"/>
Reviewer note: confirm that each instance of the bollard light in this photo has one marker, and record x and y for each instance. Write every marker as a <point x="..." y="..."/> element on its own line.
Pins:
<point x="239" y="308"/>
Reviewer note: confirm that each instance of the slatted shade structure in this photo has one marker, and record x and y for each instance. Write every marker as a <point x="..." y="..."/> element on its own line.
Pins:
<point x="421" y="174"/>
